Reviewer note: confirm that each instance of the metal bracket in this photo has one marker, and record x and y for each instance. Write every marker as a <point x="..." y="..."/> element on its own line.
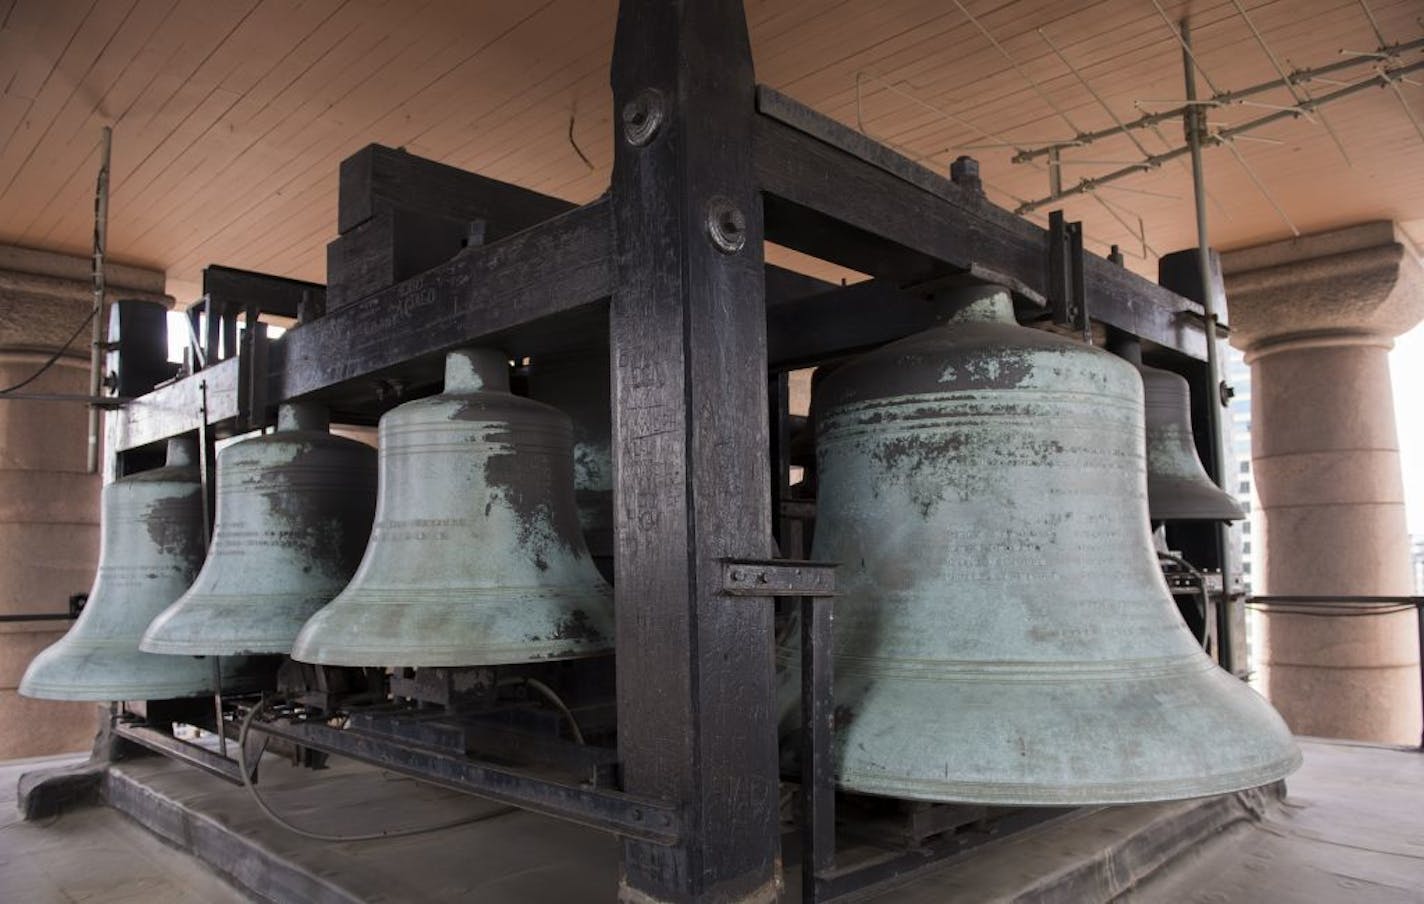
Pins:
<point x="1067" y="293"/>
<point x="252" y="375"/>
<point x="778" y="577"/>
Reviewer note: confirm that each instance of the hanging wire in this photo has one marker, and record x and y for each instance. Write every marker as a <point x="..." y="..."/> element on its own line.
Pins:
<point x="1280" y="70"/>
<point x="52" y="358"/>
<point x="282" y="821"/>
<point x="1038" y="89"/>
<point x="1260" y="186"/>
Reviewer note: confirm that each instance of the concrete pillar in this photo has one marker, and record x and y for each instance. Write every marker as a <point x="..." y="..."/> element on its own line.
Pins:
<point x="49" y="505"/>
<point x="1316" y="317"/>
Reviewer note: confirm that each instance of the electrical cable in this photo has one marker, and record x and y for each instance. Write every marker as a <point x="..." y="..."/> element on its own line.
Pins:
<point x="1203" y="597"/>
<point x="322" y="836"/>
<point x="52" y="358"/>
<point x="548" y="694"/>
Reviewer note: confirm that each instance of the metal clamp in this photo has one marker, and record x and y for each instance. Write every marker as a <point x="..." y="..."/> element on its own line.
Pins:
<point x="778" y="577"/>
<point x="1067" y="292"/>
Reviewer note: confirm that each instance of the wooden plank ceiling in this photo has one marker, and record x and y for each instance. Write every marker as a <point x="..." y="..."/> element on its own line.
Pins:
<point x="230" y="118"/>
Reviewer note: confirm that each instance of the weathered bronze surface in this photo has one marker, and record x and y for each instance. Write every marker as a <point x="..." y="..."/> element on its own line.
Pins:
<point x="476" y="557"/>
<point x="151" y="547"/>
<point x="1178" y="488"/>
<point x="293" y="514"/>
<point x="1004" y="633"/>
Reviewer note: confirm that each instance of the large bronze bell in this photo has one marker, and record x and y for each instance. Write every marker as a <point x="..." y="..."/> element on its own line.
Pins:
<point x="150" y="548"/>
<point x="1178" y="488"/>
<point x="293" y="514"/>
<point x="1004" y="635"/>
<point x="476" y="557"/>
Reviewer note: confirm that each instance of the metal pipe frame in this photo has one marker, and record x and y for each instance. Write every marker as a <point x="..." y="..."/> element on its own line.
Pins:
<point x="1379" y="80"/>
<point x="668" y="265"/>
<point x="1217" y="99"/>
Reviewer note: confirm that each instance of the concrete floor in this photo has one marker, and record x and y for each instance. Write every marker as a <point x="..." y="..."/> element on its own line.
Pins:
<point x="1351" y="830"/>
<point x="95" y="854"/>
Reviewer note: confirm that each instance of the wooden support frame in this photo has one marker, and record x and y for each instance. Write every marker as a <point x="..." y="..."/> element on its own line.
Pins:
<point x="695" y="678"/>
<point x="668" y="268"/>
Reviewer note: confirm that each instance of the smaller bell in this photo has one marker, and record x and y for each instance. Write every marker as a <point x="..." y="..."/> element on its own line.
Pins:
<point x="476" y="557"/>
<point x="151" y="546"/>
<point x="294" y="510"/>
<point x="1178" y="487"/>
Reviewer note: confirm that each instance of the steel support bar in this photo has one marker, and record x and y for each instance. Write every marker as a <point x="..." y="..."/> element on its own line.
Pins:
<point x="1195" y="127"/>
<point x="173" y="748"/>
<point x="622" y="814"/>
<point x="833" y="193"/>
<point x="818" y="768"/>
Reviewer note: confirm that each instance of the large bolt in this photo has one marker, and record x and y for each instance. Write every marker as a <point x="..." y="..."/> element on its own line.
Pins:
<point x="726" y="225"/>
<point x="643" y="116"/>
<point x="964" y="171"/>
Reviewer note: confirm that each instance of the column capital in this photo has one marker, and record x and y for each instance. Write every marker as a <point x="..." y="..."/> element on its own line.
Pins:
<point x="1362" y="284"/>
<point x="46" y="294"/>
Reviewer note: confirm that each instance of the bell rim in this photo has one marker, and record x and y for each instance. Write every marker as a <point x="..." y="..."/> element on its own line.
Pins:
<point x="504" y="654"/>
<point x="36" y="685"/>
<point x="1027" y="794"/>
<point x="1215" y="503"/>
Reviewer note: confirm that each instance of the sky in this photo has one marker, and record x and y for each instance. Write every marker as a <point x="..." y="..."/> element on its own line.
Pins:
<point x="1406" y="367"/>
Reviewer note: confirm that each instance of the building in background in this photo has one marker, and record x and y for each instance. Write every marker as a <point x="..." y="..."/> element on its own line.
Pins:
<point x="1241" y="484"/>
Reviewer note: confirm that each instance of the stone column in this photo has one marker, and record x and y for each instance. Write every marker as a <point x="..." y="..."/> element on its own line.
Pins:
<point x="49" y="505"/>
<point x="1316" y="317"/>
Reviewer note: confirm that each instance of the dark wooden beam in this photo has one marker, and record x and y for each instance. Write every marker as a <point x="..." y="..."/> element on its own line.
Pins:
<point x="840" y="321"/>
<point x="837" y="194"/>
<point x="696" y="687"/>
<point x="538" y="291"/>
<point x="237" y="291"/>
<point x="378" y="177"/>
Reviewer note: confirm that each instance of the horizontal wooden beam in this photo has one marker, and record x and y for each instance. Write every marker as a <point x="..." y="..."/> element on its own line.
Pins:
<point x="836" y="194"/>
<point x="378" y="177"/>
<point x="491" y="293"/>
<point x="235" y="290"/>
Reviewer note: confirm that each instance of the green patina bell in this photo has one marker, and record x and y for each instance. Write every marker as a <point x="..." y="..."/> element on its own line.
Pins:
<point x="476" y="557"/>
<point x="293" y="514"/>
<point x="151" y="547"/>
<point x="1178" y="487"/>
<point x="1004" y="635"/>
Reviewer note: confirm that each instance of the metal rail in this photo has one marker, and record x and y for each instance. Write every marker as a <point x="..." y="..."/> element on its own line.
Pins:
<point x="38" y="616"/>
<point x="626" y="815"/>
<point x="1353" y="607"/>
<point x="174" y="748"/>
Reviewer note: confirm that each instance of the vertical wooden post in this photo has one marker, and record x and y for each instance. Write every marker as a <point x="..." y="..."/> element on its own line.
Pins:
<point x="688" y="334"/>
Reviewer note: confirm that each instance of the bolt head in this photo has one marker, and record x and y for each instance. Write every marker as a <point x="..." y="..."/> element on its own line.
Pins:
<point x="726" y="225"/>
<point x="643" y="117"/>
